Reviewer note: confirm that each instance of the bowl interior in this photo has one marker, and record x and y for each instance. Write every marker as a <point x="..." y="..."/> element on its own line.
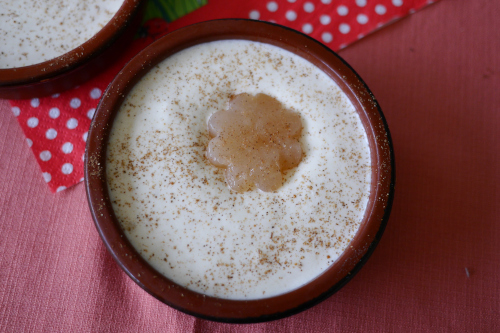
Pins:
<point x="360" y="248"/>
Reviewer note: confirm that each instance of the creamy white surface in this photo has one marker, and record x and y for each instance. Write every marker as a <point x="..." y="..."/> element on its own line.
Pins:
<point x="175" y="206"/>
<point x="34" y="31"/>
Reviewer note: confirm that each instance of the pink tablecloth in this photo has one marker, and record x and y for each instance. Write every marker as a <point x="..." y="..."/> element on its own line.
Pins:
<point x="436" y="76"/>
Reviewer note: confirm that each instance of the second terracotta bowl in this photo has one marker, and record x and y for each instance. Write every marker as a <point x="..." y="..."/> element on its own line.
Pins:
<point x="340" y="272"/>
<point x="80" y="64"/>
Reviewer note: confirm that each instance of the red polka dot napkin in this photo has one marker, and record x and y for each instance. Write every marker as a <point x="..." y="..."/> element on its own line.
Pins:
<point x="56" y="127"/>
<point x="335" y="23"/>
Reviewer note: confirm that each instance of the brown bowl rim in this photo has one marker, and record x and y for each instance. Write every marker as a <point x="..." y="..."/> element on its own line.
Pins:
<point x="20" y="76"/>
<point x="241" y="311"/>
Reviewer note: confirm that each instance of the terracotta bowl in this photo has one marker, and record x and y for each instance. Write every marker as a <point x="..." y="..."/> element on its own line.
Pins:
<point x="340" y="272"/>
<point x="80" y="64"/>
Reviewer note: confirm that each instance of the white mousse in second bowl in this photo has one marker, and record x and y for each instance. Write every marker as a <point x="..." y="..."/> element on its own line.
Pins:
<point x="34" y="31"/>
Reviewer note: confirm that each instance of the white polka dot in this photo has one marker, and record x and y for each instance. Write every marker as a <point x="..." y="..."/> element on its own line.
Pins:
<point x="72" y="123"/>
<point x="292" y="1"/>
<point x="309" y="7"/>
<point x="342" y="46"/>
<point x="82" y="179"/>
<point x="344" y="28"/>
<point x="75" y="103"/>
<point x="342" y="10"/>
<point x="16" y="111"/>
<point x="84" y="136"/>
<point x="325" y="19"/>
<point x="83" y="157"/>
<point x="90" y="113"/>
<point x="326" y="37"/>
<point x="361" y="3"/>
<point x="67" y="168"/>
<point x="362" y="19"/>
<point x="45" y="155"/>
<point x="32" y="122"/>
<point x="272" y="21"/>
<point x="397" y="3"/>
<point x="55" y="95"/>
<point x="61" y="188"/>
<point x="54" y="113"/>
<point x="360" y="36"/>
<point x="51" y="134"/>
<point x="307" y="28"/>
<point x="35" y="102"/>
<point x="380" y="9"/>
<point x="67" y="147"/>
<point x="272" y="6"/>
<point x="326" y="2"/>
<point x="47" y="177"/>
<point x="411" y="11"/>
<point x="254" y="15"/>
<point x="95" y="93"/>
<point x="291" y="15"/>
<point x="29" y="142"/>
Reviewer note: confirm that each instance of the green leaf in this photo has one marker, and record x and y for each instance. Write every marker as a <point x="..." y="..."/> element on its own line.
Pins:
<point x="171" y="10"/>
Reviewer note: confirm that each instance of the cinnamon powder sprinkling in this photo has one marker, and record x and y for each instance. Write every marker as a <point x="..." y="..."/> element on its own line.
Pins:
<point x="175" y="206"/>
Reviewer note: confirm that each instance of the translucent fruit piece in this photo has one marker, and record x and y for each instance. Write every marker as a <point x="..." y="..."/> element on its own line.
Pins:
<point x="256" y="140"/>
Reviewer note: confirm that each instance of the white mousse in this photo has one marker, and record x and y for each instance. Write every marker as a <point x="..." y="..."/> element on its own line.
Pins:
<point x="175" y="206"/>
<point x="34" y="31"/>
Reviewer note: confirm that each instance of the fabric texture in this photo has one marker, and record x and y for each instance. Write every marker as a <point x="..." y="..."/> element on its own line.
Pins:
<point x="436" y="76"/>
